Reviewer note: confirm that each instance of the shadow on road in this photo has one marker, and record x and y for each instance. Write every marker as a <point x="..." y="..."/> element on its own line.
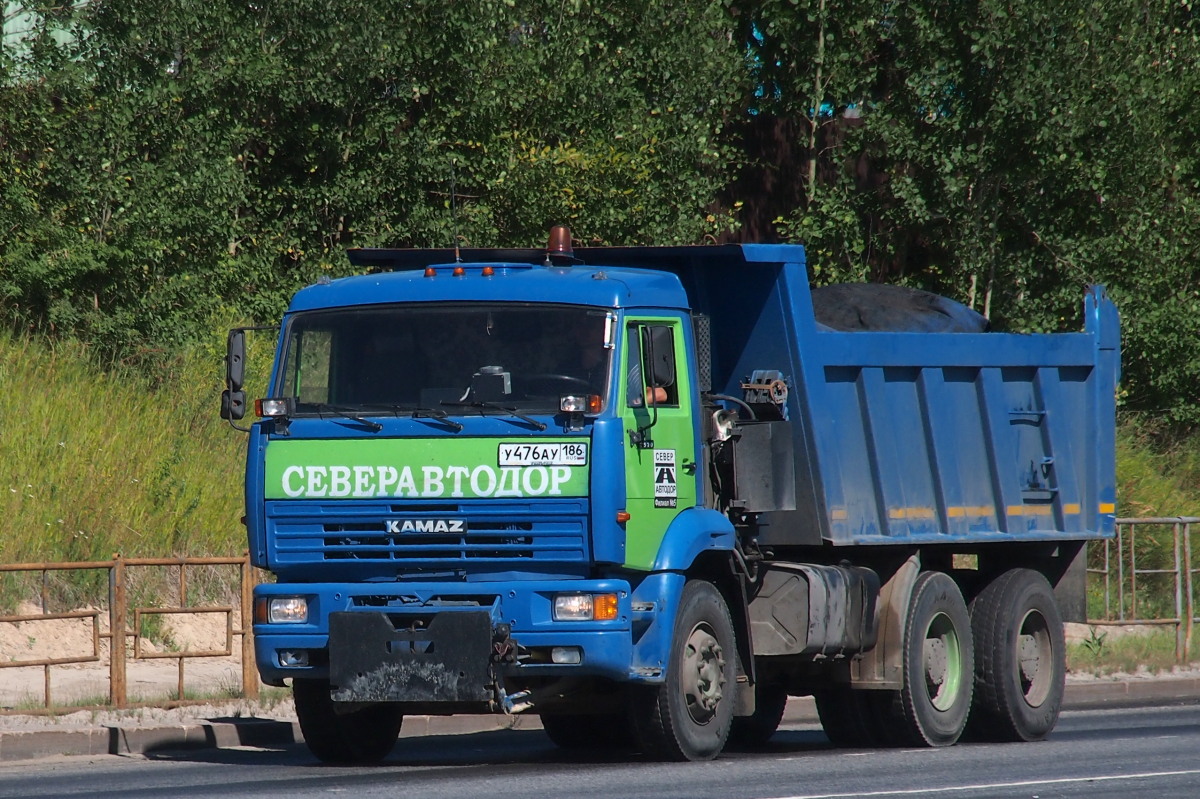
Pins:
<point x="501" y="747"/>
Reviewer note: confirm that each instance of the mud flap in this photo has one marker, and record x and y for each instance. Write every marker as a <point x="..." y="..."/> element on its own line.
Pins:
<point x="448" y="661"/>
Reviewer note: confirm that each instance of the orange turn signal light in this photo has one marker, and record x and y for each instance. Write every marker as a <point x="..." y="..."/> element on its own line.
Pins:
<point x="622" y="516"/>
<point x="604" y="607"/>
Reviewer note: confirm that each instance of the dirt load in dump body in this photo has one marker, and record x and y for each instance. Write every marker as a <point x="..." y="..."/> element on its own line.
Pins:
<point x="877" y="306"/>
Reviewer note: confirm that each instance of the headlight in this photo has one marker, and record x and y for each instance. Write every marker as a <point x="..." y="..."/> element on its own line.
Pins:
<point x="585" y="607"/>
<point x="283" y="610"/>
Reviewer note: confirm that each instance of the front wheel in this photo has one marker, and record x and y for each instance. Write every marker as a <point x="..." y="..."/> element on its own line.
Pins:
<point x="363" y="735"/>
<point x="689" y="715"/>
<point x="939" y="665"/>
<point x="1020" y="661"/>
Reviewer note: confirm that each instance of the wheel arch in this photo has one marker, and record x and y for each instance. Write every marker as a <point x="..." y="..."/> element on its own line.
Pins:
<point x="692" y="533"/>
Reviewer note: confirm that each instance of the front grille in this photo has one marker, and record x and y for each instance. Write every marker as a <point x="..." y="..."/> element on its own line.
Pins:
<point x="486" y="533"/>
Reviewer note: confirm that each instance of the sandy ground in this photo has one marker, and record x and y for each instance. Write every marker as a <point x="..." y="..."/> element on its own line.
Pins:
<point x="149" y="678"/>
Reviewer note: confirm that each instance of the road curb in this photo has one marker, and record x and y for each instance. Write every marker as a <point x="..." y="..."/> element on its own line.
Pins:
<point x="1118" y="693"/>
<point x="231" y="733"/>
<point x="117" y="740"/>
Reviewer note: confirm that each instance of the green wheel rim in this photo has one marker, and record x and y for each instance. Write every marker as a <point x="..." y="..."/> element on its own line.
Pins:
<point x="942" y="662"/>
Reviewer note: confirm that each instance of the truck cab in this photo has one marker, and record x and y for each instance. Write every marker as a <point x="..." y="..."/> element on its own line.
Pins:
<point x="475" y="482"/>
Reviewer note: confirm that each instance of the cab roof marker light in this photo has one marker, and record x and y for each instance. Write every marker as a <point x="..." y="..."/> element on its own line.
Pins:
<point x="560" y="241"/>
<point x="430" y="272"/>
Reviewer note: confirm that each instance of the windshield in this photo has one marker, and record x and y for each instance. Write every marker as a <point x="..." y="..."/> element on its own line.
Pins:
<point x="403" y="358"/>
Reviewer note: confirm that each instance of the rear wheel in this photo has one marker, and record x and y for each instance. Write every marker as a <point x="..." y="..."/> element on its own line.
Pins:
<point x="1020" y="661"/>
<point x="363" y="735"/>
<point x="689" y="715"/>
<point x="934" y="700"/>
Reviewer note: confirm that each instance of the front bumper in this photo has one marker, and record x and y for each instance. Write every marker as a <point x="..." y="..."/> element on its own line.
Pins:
<point x="438" y="642"/>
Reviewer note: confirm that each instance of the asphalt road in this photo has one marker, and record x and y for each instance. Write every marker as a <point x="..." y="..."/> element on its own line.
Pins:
<point x="1146" y="751"/>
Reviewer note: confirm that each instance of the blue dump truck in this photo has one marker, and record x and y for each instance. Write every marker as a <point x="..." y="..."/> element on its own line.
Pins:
<point x="647" y="494"/>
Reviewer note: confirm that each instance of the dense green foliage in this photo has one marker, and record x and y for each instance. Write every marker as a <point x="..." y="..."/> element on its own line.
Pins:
<point x="168" y="166"/>
<point x="178" y="159"/>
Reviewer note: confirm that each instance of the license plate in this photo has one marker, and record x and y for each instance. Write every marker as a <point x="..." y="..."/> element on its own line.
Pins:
<point x="561" y="454"/>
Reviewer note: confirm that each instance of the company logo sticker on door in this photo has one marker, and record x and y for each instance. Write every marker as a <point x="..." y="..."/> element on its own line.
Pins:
<point x="666" y="487"/>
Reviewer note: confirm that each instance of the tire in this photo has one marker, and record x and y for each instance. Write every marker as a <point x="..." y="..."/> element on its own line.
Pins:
<point x="575" y="731"/>
<point x="854" y="719"/>
<point x="1020" y="658"/>
<point x="688" y="717"/>
<point x="938" y="666"/>
<point x="364" y="735"/>
<point x="770" y="702"/>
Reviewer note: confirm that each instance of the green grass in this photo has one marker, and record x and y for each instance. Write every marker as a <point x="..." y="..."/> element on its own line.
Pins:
<point x="1107" y="651"/>
<point x="1158" y="469"/>
<point x="1158" y="475"/>
<point x="94" y="462"/>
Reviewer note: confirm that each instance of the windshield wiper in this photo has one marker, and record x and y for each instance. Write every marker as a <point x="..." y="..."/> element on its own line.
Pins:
<point x="417" y="413"/>
<point x="348" y="413"/>
<point x="492" y="406"/>
<point x="439" y="414"/>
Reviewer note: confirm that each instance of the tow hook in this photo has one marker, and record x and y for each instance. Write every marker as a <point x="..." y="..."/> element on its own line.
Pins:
<point x="505" y="652"/>
<point x="514" y="704"/>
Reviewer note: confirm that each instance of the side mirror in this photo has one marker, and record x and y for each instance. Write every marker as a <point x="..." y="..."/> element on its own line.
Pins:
<point x="235" y="360"/>
<point x="658" y="347"/>
<point x="233" y="398"/>
<point x="233" y="404"/>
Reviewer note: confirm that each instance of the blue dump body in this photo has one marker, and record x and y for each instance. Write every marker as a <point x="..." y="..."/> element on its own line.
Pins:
<point x="913" y="438"/>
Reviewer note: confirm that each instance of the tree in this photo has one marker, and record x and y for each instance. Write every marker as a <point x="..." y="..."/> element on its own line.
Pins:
<point x="210" y="156"/>
<point x="1004" y="158"/>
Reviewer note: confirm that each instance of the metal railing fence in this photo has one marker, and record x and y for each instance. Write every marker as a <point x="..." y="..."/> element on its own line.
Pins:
<point x="1132" y="569"/>
<point x="117" y="608"/>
